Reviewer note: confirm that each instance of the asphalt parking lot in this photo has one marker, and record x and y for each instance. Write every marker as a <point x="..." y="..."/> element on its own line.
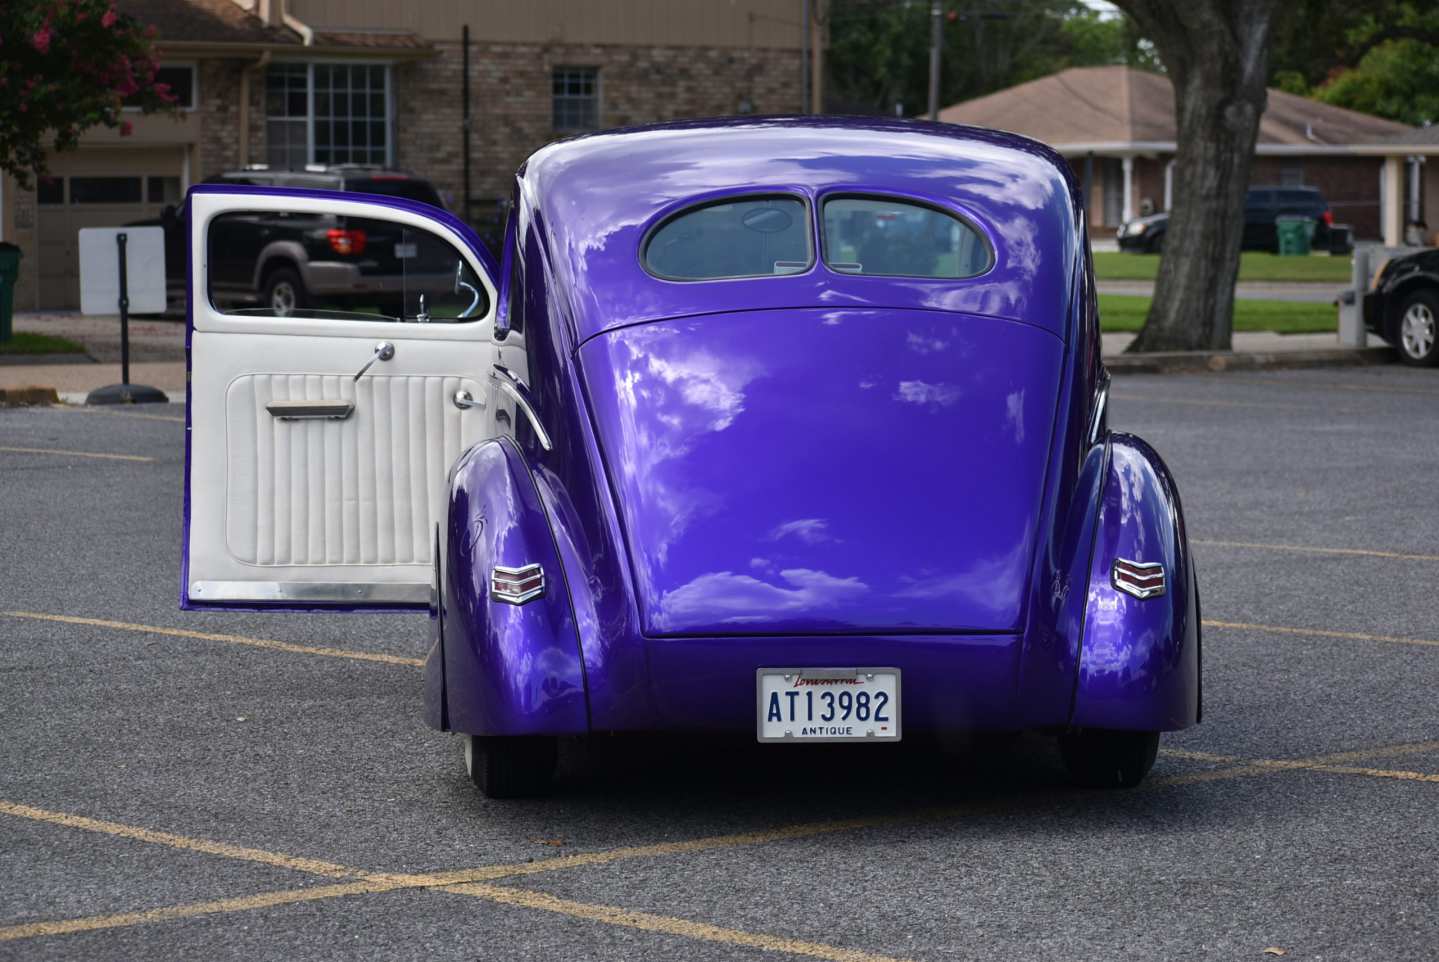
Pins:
<point x="262" y="786"/>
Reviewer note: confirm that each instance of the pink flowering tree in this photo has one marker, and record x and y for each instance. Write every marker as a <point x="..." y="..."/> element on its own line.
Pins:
<point x="65" y="66"/>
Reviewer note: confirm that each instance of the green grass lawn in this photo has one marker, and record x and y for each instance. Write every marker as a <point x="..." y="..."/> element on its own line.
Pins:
<point x="1253" y="266"/>
<point x="25" y="343"/>
<point x="1121" y="312"/>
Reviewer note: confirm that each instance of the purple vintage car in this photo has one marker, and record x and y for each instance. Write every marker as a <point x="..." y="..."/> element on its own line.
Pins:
<point x="787" y="426"/>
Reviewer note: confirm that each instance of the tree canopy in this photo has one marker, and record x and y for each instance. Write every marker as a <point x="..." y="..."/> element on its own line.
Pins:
<point x="878" y="56"/>
<point x="66" y="66"/>
<point x="1381" y="56"/>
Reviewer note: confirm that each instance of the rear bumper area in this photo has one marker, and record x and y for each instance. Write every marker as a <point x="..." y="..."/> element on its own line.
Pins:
<point x="948" y="683"/>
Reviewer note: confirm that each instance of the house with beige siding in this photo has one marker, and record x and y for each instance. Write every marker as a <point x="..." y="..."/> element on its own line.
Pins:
<point x="290" y="83"/>
<point x="1115" y="125"/>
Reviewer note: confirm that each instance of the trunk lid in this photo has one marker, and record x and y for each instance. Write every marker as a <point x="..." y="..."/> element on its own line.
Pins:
<point x="816" y="471"/>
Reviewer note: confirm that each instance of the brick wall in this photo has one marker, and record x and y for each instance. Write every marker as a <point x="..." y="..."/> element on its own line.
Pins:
<point x="510" y="96"/>
<point x="219" y="147"/>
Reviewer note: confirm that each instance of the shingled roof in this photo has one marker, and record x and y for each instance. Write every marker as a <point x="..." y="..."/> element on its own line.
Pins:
<point x="205" y="21"/>
<point x="1099" y="108"/>
<point x="221" y="22"/>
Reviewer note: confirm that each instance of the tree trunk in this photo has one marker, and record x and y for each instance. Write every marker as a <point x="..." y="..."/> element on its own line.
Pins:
<point x="1216" y="55"/>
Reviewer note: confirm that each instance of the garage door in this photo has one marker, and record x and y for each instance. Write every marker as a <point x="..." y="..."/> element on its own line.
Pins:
<point x="97" y="187"/>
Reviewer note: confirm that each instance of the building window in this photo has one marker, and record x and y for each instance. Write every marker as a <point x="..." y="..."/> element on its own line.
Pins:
<point x="327" y="113"/>
<point x="287" y="115"/>
<point x="180" y="79"/>
<point x="1291" y="176"/>
<point x="106" y="190"/>
<point x="576" y="98"/>
<point x="50" y="190"/>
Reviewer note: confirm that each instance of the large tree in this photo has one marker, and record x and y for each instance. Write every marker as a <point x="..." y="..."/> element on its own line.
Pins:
<point x="1216" y="54"/>
<point x="65" y="66"/>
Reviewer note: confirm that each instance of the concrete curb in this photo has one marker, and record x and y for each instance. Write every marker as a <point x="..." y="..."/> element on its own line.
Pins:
<point x="17" y="397"/>
<point x="8" y="360"/>
<point x="1170" y="362"/>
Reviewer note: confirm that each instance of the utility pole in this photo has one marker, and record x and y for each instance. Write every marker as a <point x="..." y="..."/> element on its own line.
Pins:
<point x="804" y="60"/>
<point x="936" y="42"/>
<point x="816" y="46"/>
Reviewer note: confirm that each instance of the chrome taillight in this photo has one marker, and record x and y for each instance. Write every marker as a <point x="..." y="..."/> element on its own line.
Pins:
<point x="516" y="586"/>
<point x="1138" y="578"/>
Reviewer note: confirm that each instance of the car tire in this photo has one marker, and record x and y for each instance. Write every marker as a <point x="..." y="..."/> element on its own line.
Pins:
<point x="1416" y="329"/>
<point x="511" y="767"/>
<point x="284" y="292"/>
<point x="1108" y="759"/>
<point x="1156" y="245"/>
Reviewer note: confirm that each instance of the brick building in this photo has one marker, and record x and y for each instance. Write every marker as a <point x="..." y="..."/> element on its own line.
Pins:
<point x="1116" y="127"/>
<point x="296" y="82"/>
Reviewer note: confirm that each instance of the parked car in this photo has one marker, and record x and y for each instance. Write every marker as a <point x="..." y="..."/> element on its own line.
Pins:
<point x="708" y="455"/>
<point x="1402" y="306"/>
<point x="318" y="260"/>
<point x="1263" y="206"/>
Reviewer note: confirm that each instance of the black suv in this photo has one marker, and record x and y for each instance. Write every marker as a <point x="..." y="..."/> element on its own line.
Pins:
<point x="285" y="262"/>
<point x="1263" y="206"/>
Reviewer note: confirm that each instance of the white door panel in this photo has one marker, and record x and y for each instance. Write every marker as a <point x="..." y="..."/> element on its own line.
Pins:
<point x="337" y="510"/>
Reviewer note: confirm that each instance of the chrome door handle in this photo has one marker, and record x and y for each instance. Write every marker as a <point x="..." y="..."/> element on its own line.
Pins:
<point x="383" y="352"/>
<point x="464" y="400"/>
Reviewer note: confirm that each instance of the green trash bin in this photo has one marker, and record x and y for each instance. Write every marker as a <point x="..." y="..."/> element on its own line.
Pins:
<point x="9" y="274"/>
<point x="1295" y="234"/>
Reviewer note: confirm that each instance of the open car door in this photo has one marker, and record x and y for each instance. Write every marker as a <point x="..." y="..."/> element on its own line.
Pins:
<point x="340" y="348"/>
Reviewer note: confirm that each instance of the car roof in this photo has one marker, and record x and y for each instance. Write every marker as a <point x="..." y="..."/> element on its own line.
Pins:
<point x="596" y="197"/>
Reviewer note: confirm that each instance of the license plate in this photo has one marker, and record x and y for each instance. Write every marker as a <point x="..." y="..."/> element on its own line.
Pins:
<point x="827" y="704"/>
<point x="406" y="251"/>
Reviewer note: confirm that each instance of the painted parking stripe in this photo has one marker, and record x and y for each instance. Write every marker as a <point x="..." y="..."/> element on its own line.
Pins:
<point x="266" y="643"/>
<point x="1319" y="633"/>
<point x="98" y="455"/>
<point x="309" y="866"/>
<point x="664" y="924"/>
<point x="190" y="910"/>
<point x="468" y="878"/>
<point x="1311" y="549"/>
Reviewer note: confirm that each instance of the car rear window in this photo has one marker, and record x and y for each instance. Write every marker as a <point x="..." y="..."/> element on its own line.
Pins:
<point x="897" y="238"/>
<point x="744" y="237"/>
<point x="405" y="187"/>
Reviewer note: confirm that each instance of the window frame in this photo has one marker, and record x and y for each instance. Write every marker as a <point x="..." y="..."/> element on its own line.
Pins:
<point x="691" y="206"/>
<point x="309" y="118"/>
<point x="598" y="98"/>
<point x="912" y="201"/>
<point x="194" y="68"/>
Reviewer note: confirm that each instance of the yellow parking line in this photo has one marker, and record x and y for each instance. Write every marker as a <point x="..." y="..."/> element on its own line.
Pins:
<point x="471" y="881"/>
<point x="1319" y="633"/>
<point x="1309" y="549"/>
<point x="190" y="910"/>
<point x="308" y="865"/>
<point x="77" y="454"/>
<point x="664" y="924"/>
<point x="215" y="636"/>
<point x="1200" y="756"/>
<point x="1377" y="773"/>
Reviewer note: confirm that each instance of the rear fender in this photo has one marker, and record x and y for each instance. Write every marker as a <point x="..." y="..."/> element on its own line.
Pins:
<point x="1139" y="658"/>
<point x="507" y="669"/>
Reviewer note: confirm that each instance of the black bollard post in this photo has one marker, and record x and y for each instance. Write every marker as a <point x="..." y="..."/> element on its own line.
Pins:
<point x="125" y="392"/>
<point x="124" y="313"/>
